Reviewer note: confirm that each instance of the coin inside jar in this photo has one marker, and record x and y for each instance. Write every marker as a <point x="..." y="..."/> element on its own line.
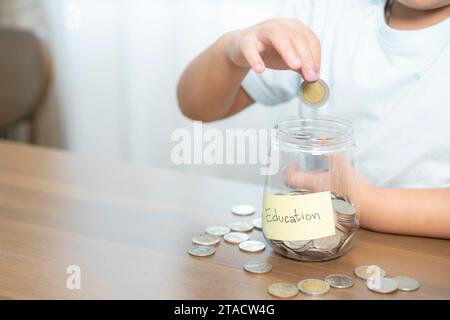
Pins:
<point x="313" y="287"/>
<point x="327" y="243"/>
<point x="282" y="290"/>
<point x="343" y="207"/>
<point x="340" y="281"/>
<point x="257" y="267"/>
<point x="206" y="239"/>
<point x="252" y="246"/>
<point x="314" y="93"/>
<point x="236" y="237"/>
<point x="298" y="246"/>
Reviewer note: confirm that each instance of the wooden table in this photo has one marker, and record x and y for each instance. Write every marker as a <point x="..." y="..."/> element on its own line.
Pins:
<point x="128" y="227"/>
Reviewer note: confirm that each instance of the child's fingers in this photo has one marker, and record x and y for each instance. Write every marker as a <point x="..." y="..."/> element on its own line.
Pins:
<point x="251" y="54"/>
<point x="282" y="44"/>
<point x="314" y="45"/>
<point x="303" y="48"/>
<point x="315" y="181"/>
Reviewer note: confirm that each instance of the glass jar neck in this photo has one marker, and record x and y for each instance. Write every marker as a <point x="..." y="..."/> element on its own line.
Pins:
<point x="322" y="134"/>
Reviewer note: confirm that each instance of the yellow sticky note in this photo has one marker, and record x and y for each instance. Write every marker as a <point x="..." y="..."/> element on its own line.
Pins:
<point x="299" y="217"/>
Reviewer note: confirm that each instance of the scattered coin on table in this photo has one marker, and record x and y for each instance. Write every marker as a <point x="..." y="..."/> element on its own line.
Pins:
<point x="217" y="230"/>
<point x="201" y="251"/>
<point x="257" y="223"/>
<point x="241" y="226"/>
<point x="243" y="210"/>
<point x="382" y="285"/>
<point x="339" y="281"/>
<point x="282" y="290"/>
<point x="374" y="276"/>
<point x="365" y="272"/>
<point x="252" y="246"/>
<point x="206" y="239"/>
<point x="236" y="237"/>
<point x="406" y="283"/>
<point x="257" y="267"/>
<point x="313" y="287"/>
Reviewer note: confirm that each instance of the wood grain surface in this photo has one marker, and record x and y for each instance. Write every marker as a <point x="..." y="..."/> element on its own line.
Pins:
<point x="129" y="227"/>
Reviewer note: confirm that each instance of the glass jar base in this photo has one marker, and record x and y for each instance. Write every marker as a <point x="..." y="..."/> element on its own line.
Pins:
<point x="312" y="255"/>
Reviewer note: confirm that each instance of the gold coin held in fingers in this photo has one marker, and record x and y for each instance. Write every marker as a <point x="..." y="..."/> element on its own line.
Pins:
<point x="314" y="93"/>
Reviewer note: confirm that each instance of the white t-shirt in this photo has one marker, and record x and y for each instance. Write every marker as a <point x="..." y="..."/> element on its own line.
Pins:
<point x="393" y="85"/>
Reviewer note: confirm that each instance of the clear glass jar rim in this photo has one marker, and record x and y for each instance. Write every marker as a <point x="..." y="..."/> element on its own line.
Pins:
<point x="320" y="133"/>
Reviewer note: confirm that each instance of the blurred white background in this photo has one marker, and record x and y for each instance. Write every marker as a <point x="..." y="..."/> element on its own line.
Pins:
<point x="116" y="66"/>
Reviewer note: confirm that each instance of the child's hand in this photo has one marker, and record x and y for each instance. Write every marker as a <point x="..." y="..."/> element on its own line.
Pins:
<point x="276" y="44"/>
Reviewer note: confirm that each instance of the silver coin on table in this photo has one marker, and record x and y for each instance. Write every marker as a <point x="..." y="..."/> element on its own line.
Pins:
<point x="206" y="239"/>
<point x="382" y="285"/>
<point x="343" y="207"/>
<point x="365" y="272"/>
<point x="252" y="246"/>
<point x="257" y="267"/>
<point x="243" y="210"/>
<point x="236" y="237"/>
<point x="201" y="251"/>
<point x="257" y="223"/>
<point x="313" y="287"/>
<point x="217" y="230"/>
<point x="241" y="226"/>
<point x="406" y="283"/>
<point x="282" y="290"/>
<point x="340" y="281"/>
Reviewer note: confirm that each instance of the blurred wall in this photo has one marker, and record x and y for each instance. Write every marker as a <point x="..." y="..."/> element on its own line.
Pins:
<point x="116" y="66"/>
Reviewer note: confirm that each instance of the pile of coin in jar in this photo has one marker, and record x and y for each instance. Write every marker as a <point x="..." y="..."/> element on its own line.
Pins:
<point x="346" y="222"/>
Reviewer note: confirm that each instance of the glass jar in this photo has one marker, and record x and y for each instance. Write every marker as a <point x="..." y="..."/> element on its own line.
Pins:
<point x="310" y="208"/>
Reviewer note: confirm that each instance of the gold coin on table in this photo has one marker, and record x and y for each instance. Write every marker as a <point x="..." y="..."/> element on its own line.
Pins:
<point x="313" y="287"/>
<point x="314" y="93"/>
<point x="282" y="290"/>
<point x="365" y="272"/>
<point x="206" y="239"/>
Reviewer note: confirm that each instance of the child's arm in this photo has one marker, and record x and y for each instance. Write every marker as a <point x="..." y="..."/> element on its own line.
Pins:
<point x="210" y="88"/>
<point x="421" y="212"/>
<point x="418" y="212"/>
